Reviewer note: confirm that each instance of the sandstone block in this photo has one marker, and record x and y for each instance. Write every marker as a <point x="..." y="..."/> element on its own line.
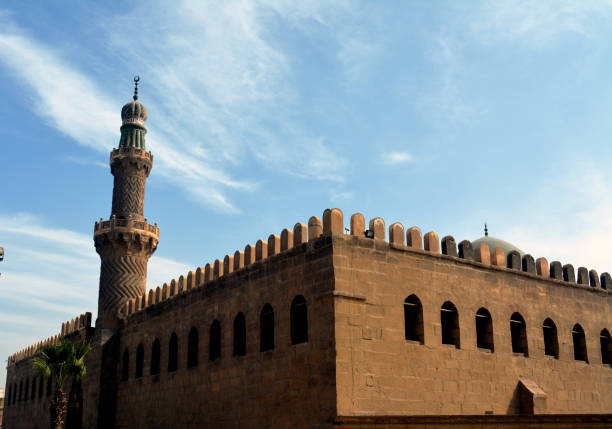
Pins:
<point x="396" y="233"/>
<point x="315" y="228"/>
<point x="357" y="224"/>
<point x="414" y="238"/>
<point x="333" y="221"/>
<point x="432" y="242"/>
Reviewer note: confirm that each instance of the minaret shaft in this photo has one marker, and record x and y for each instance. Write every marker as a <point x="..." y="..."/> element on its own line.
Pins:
<point x="126" y="241"/>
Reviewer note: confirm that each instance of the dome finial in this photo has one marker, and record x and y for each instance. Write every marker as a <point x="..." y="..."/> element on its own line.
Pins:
<point x="486" y="230"/>
<point x="136" y="80"/>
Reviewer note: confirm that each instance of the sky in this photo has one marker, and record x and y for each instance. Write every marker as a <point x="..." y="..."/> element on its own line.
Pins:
<point x="440" y="115"/>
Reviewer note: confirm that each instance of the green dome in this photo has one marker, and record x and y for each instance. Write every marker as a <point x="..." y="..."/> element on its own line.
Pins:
<point x="493" y="242"/>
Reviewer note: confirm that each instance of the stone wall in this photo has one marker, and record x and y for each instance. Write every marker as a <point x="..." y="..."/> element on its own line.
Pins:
<point x="379" y="372"/>
<point x="289" y="386"/>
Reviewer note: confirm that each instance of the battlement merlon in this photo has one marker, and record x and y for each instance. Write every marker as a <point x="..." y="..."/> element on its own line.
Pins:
<point x="78" y="324"/>
<point x="398" y="238"/>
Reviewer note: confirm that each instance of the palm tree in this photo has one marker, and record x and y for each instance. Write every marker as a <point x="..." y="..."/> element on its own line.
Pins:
<point x="60" y="361"/>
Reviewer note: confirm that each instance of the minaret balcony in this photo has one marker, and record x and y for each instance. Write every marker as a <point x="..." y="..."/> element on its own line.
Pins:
<point x="115" y="225"/>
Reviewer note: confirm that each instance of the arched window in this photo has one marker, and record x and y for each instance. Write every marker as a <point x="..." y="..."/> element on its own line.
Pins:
<point x="214" y="349"/>
<point x="551" y="341"/>
<point x="580" y="350"/>
<point x="413" y="319"/>
<point x="49" y="385"/>
<point x="40" y="388"/>
<point x="484" y="329"/>
<point x="239" y="335"/>
<point x="299" y="320"/>
<point x="26" y="387"/>
<point x="450" y="324"/>
<point x="125" y="368"/>
<point x="192" y="347"/>
<point x="606" y="347"/>
<point x="266" y="321"/>
<point x="20" y="397"/>
<point x="173" y="353"/>
<point x="139" y="360"/>
<point x="155" y="352"/>
<point x="518" y="332"/>
<point x="33" y="393"/>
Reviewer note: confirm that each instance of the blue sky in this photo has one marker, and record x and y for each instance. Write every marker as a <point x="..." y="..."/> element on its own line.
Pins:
<point x="263" y="113"/>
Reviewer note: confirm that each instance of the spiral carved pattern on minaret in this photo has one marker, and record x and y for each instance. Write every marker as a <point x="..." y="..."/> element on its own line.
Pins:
<point x="121" y="279"/>
<point x="128" y="194"/>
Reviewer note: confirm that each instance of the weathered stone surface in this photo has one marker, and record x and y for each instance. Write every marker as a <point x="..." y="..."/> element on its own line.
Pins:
<point x="249" y="254"/>
<point x="606" y="281"/>
<point x="483" y="254"/>
<point x="449" y="246"/>
<point x="228" y="264"/>
<point x="583" y="276"/>
<point x="529" y="265"/>
<point x="286" y="240"/>
<point x="238" y="260"/>
<point x="594" y="279"/>
<point x="315" y="228"/>
<point x="273" y="245"/>
<point x="542" y="267"/>
<point x="465" y="250"/>
<point x="396" y="233"/>
<point x="431" y="242"/>
<point x="414" y="238"/>
<point x="300" y="234"/>
<point x="333" y="221"/>
<point x="556" y="271"/>
<point x="261" y="250"/>
<point x="377" y="225"/>
<point x="498" y="257"/>
<point x="357" y="225"/>
<point x="513" y="260"/>
<point x="568" y="273"/>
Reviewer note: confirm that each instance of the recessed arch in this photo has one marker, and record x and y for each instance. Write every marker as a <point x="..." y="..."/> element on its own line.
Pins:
<point x="299" y="320"/>
<point x="139" y="360"/>
<point x="606" y="347"/>
<point x="484" y="329"/>
<point x="551" y="339"/>
<point x="449" y="318"/>
<point x="518" y="334"/>
<point x="192" y="347"/>
<point x="155" y="357"/>
<point x="579" y="340"/>
<point x="266" y="323"/>
<point x="125" y="365"/>
<point x="413" y="319"/>
<point x="214" y="347"/>
<point x="173" y="353"/>
<point x="239" y="335"/>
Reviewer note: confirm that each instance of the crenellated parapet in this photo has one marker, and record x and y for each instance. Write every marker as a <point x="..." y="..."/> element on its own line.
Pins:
<point x="332" y="223"/>
<point x="69" y="327"/>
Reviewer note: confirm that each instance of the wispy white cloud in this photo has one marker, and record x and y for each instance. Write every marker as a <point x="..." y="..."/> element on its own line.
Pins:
<point x="537" y="23"/>
<point x="219" y="93"/>
<point x="50" y="275"/>
<point x="394" y="158"/>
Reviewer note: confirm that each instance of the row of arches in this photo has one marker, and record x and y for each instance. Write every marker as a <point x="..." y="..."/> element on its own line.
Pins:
<point x="449" y="321"/>
<point x="28" y="390"/>
<point x="298" y="332"/>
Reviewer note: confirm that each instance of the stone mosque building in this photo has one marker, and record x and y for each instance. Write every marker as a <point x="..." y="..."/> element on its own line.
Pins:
<point x="377" y="327"/>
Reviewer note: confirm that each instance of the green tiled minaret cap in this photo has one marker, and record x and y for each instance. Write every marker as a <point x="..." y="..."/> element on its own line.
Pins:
<point x="133" y="117"/>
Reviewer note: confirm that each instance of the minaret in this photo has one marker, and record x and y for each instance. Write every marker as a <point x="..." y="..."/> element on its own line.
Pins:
<point x="126" y="241"/>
